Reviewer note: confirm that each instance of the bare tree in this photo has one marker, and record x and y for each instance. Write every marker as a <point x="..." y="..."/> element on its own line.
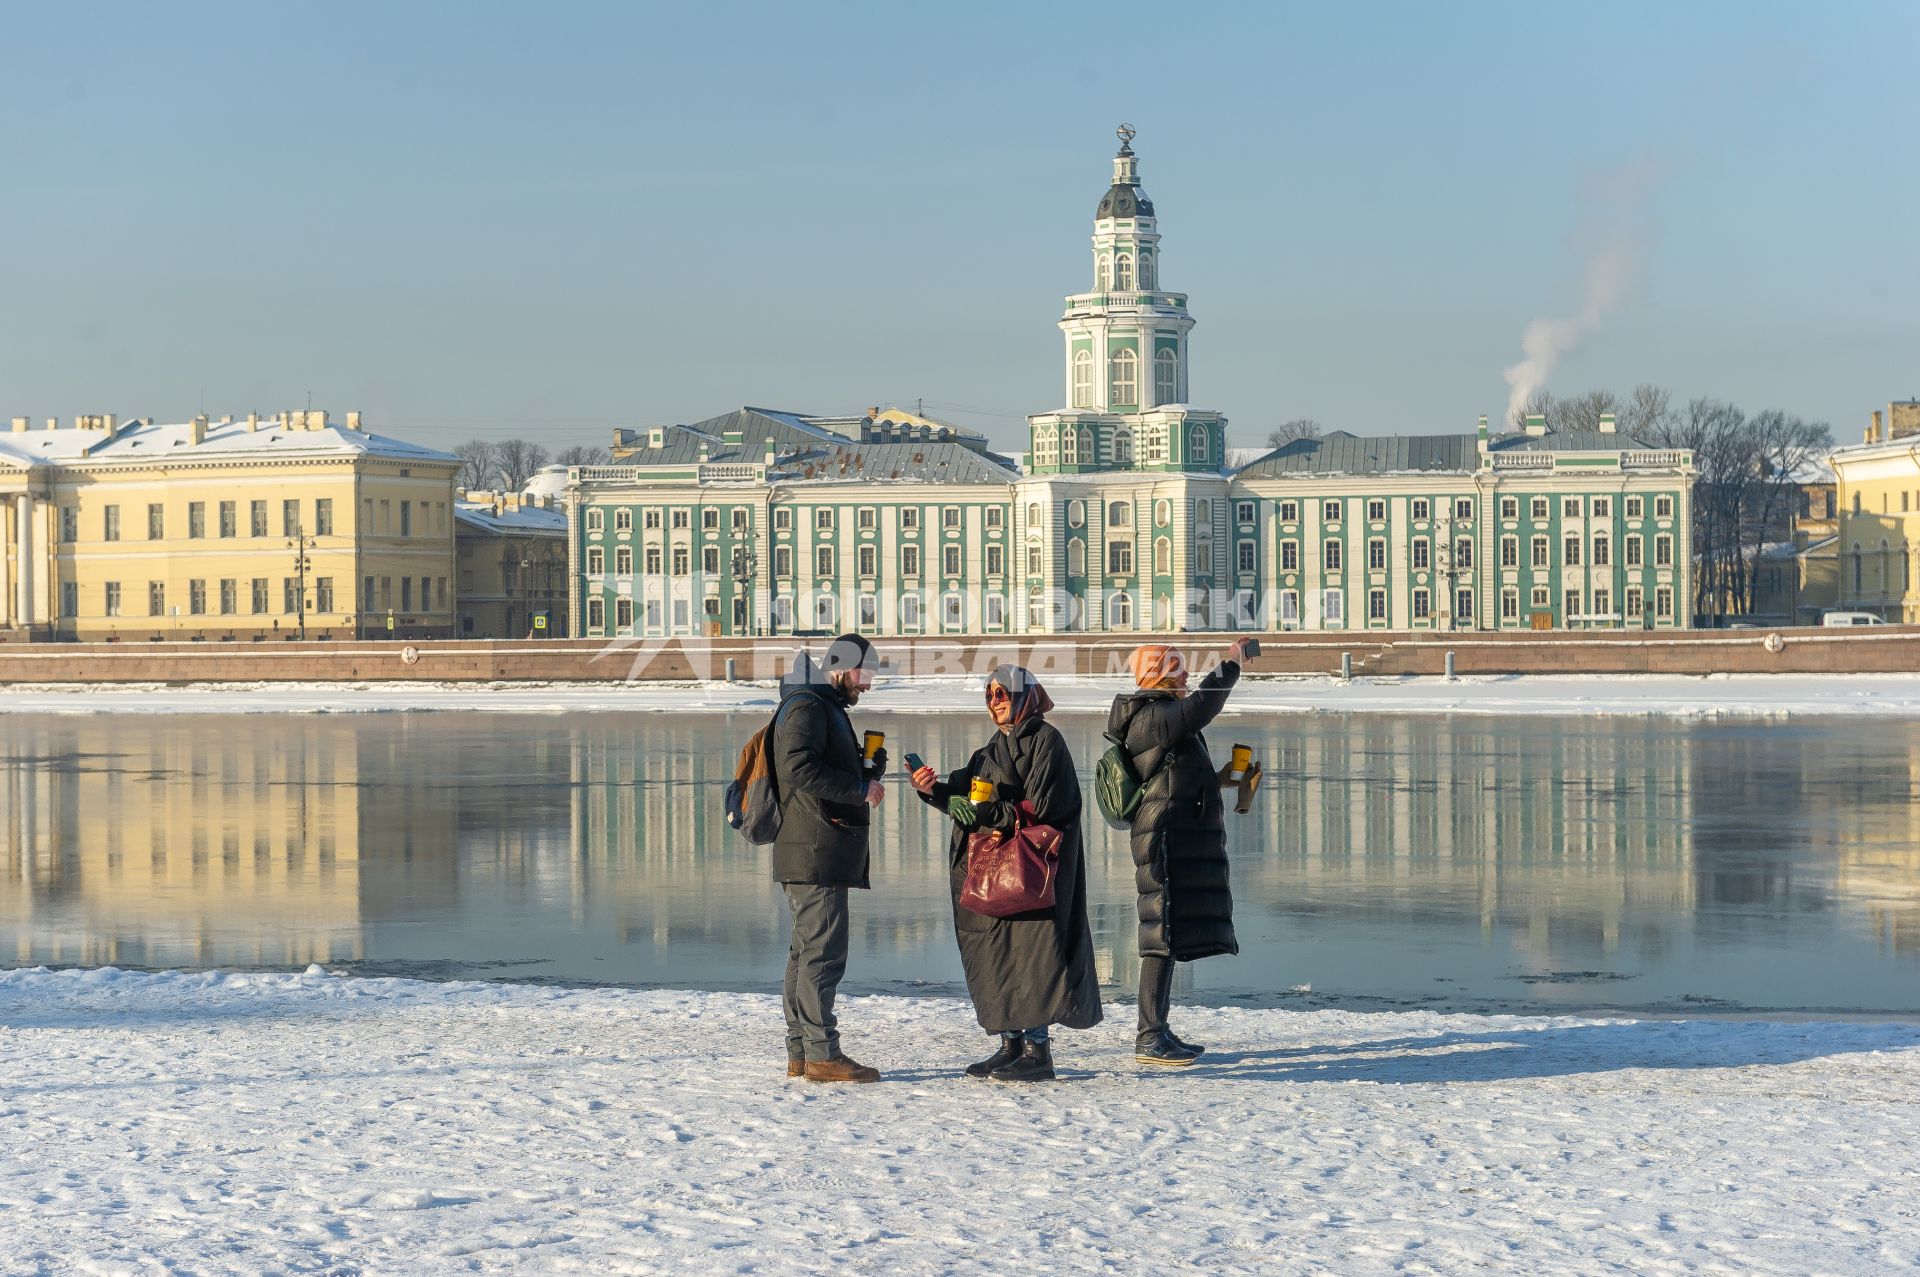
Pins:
<point x="1288" y="431"/>
<point x="1539" y="404"/>
<point x="1646" y="411"/>
<point x="1583" y="412"/>
<point x="479" y="463"/>
<point x="579" y="455"/>
<point x="1784" y="450"/>
<point x="518" y="459"/>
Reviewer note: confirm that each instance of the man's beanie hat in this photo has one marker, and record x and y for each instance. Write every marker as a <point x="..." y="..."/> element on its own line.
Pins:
<point x="851" y="652"/>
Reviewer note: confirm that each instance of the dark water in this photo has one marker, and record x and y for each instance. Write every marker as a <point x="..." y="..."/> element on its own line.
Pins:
<point x="1392" y="861"/>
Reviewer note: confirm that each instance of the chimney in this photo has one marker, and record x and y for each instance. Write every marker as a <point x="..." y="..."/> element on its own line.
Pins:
<point x="253" y="423"/>
<point x="111" y="423"/>
<point x="1536" y="424"/>
<point x="1480" y="436"/>
<point x="20" y="425"/>
<point x="767" y="455"/>
<point x="53" y="423"/>
<point x="198" y="432"/>
<point x="353" y="421"/>
<point x="1608" y="424"/>
<point x="732" y="439"/>
<point x="1874" y="435"/>
<point x="703" y="454"/>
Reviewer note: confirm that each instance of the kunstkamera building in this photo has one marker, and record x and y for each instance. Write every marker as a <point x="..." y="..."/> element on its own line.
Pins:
<point x="1125" y="514"/>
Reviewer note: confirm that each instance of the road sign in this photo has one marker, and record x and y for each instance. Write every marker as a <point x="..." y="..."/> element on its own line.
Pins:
<point x="389" y="622"/>
<point x="540" y="621"/>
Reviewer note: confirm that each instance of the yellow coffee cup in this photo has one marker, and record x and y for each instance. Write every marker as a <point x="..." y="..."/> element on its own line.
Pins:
<point x="981" y="792"/>
<point x="874" y="743"/>
<point x="1242" y="759"/>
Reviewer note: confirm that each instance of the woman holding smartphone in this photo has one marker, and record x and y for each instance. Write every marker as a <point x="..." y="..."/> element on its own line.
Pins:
<point x="1030" y="971"/>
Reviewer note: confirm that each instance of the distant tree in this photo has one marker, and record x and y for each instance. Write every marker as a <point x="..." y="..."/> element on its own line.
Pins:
<point x="581" y="455"/>
<point x="1583" y="412"/>
<point x="1539" y="404"/>
<point x="518" y="460"/>
<point x="1646" y="411"/>
<point x="479" y="463"/>
<point x="1288" y="431"/>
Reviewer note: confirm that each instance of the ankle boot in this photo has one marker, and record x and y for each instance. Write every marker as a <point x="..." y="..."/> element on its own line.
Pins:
<point x="1158" y="1049"/>
<point x="1010" y="1044"/>
<point x="1034" y="1065"/>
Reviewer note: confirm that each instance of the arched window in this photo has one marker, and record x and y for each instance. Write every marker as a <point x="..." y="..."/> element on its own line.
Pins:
<point x="1124" y="378"/>
<point x="1036" y="610"/>
<point x="1083" y="379"/>
<point x="1166" y="377"/>
<point x="1076" y="557"/>
<point x="1120" y="611"/>
<point x="1162" y="512"/>
<point x="1123" y="273"/>
<point x="1119" y="514"/>
<point x="1087" y="454"/>
<point x="1103" y="274"/>
<point x="1163" y="556"/>
<point x="1149" y="276"/>
<point x="1069" y="447"/>
<point x="1197" y="444"/>
<point x="1123" y="448"/>
<point x="1033" y="515"/>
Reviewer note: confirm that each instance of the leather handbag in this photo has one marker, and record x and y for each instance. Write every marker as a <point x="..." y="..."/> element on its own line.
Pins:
<point x="1010" y="873"/>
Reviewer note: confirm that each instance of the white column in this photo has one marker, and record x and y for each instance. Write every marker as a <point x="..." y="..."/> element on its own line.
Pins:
<point x="6" y="573"/>
<point x="24" y="552"/>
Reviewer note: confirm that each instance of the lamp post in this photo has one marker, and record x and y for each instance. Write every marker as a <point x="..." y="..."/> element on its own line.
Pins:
<point x="302" y="547"/>
<point x="744" y="564"/>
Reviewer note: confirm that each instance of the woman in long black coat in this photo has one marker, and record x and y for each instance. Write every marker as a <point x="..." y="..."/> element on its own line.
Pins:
<point x="1032" y="970"/>
<point x="1179" y="832"/>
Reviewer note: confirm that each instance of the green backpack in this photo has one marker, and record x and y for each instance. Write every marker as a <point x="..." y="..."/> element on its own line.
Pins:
<point x="1117" y="787"/>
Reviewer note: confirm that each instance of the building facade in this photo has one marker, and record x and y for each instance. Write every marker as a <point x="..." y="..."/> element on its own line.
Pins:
<point x="1877" y="487"/>
<point x="255" y="529"/>
<point x="510" y="552"/>
<point x="1124" y="515"/>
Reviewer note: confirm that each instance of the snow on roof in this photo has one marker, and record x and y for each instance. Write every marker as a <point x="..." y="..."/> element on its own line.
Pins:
<point x="140" y="441"/>
<point x="527" y="519"/>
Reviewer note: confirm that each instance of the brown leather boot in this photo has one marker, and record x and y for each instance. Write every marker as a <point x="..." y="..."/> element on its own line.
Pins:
<point x="840" y="1069"/>
<point x="796" y="1068"/>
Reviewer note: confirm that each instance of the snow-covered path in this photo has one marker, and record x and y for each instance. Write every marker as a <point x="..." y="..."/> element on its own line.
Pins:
<point x="214" y="1123"/>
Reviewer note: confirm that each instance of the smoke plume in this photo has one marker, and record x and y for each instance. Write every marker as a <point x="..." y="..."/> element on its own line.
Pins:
<point x="1612" y="242"/>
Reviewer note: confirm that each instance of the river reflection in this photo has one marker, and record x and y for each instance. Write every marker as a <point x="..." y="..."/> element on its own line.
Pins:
<point x="1454" y="862"/>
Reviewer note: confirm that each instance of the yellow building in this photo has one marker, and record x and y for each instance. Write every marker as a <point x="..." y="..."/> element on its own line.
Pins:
<point x="262" y="528"/>
<point x="1878" y="491"/>
<point x="511" y="554"/>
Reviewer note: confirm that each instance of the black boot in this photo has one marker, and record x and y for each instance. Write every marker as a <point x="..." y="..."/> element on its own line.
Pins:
<point x="1010" y="1044"/>
<point x="1034" y="1065"/>
<point x="1161" y="1050"/>
<point x="1185" y="1045"/>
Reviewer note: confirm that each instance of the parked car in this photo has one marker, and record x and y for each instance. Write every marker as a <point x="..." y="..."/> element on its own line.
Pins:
<point x="1851" y="618"/>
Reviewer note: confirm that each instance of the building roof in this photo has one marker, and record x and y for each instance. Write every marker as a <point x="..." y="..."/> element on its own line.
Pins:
<point x="906" y="462"/>
<point x="527" y="520"/>
<point x="1341" y="452"/>
<point x="807" y="451"/>
<point x="138" y="441"/>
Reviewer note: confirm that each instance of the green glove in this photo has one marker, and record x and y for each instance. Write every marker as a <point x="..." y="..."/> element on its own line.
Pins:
<point x="961" y="808"/>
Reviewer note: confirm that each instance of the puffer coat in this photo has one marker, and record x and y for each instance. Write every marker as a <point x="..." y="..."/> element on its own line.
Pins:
<point x="1179" y="831"/>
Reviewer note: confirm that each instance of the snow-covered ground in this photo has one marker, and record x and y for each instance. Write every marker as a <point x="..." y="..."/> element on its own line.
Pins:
<point x="1717" y="696"/>
<point x="213" y="1123"/>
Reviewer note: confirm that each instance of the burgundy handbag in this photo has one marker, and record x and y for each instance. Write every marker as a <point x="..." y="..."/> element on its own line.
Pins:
<point x="1011" y="873"/>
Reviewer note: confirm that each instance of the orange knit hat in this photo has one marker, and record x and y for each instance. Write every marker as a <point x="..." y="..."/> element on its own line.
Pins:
<point x="1156" y="665"/>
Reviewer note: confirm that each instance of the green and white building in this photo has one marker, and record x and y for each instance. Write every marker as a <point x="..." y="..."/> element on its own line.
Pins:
<point x="1124" y="515"/>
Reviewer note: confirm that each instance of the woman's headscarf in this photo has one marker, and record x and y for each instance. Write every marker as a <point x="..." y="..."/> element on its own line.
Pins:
<point x="1027" y="699"/>
<point x="1156" y="665"/>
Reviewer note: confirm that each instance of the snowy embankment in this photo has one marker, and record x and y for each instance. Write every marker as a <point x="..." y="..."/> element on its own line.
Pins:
<point x="1715" y="696"/>
<point x="248" y="1123"/>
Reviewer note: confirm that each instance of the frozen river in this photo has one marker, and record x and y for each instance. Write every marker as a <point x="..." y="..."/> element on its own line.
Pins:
<point x="1463" y="862"/>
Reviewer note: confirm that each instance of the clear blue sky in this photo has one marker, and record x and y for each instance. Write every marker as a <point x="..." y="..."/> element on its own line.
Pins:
<point x="489" y="219"/>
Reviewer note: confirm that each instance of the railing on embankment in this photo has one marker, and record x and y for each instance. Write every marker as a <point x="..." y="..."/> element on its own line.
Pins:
<point x="1781" y="651"/>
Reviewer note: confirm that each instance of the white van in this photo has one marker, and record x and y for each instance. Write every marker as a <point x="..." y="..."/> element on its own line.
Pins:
<point x="1851" y="618"/>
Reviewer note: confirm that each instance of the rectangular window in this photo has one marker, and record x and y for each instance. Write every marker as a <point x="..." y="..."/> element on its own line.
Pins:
<point x="1570" y="551"/>
<point x="1572" y="605"/>
<point x="823" y="561"/>
<point x="1635" y="507"/>
<point x="596" y="561"/>
<point x="289" y="594"/>
<point x="1376" y="511"/>
<point x="710" y="561"/>
<point x="596" y="519"/>
<point x="682" y="560"/>
<point x="709" y="519"/>
<point x="995" y="516"/>
<point x="1330" y="512"/>
<point x="69" y="524"/>
<point x="782" y="560"/>
<point x="1663" y="603"/>
<point x="649" y="519"/>
<point x="1244" y="556"/>
<point x="823" y="519"/>
<point x="1289" y="607"/>
<point x="1636" y="551"/>
<point x="1243" y="511"/>
<point x="996" y="611"/>
<point x="652" y="559"/>
<point x="910" y="610"/>
<point x="112" y="522"/>
<point x="1539" y="552"/>
<point x="1376" y="554"/>
<point x="622" y="522"/>
<point x="596" y="614"/>
<point x="1510" y="509"/>
<point x="156" y="521"/>
<point x="953" y="611"/>
<point x="950" y="560"/>
<point x="406" y="594"/>
<point x="1463" y="508"/>
<point x="1602" y="553"/>
<point x="1420" y="510"/>
<point x="910" y="517"/>
<point x="869" y="610"/>
<point x="1600" y="600"/>
<point x="1330" y="556"/>
<point x="950" y="517"/>
<point x="1663" y="509"/>
<point x="864" y="518"/>
<point x="290" y="517"/>
<point x="682" y="520"/>
<point x="782" y="519"/>
<point x="622" y="564"/>
<point x="1422" y="608"/>
<point x="1036" y="561"/>
<point x="623" y="614"/>
<point x="323" y="594"/>
<point x="1539" y="508"/>
<point x="1663" y="552"/>
<point x="323" y="517"/>
<point x="910" y="560"/>
<point x="1420" y="554"/>
<point x="1539" y="596"/>
<point x="197" y="598"/>
<point x="868" y="556"/>
<point x="1289" y="512"/>
<point x="1119" y="558"/>
<point x="1332" y="607"/>
<point x="1635" y="607"/>
<point x="1289" y="556"/>
<point x="113" y="598"/>
<point x="196" y="519"/>
<point x="229" y="596"/>
<point x="1570" y="507"/>
<point x="651" y="612"/>
<point x="1509" y="604"/>
<point x="1509" y="552"/>
<point x="69" y="598"/>
<point x="1463" y="554"/>
<point x="1602" y="508"/>
<point x="1376" y="605"/>
<point x="366" y="596"/>
<point x="406" y="518"/>
<point x="1463" y="607"/>
<point x="229" y="518"/>
<point x="996" y="561"/>
<point x="156" y="598"/>
<point x="739" y="516"/>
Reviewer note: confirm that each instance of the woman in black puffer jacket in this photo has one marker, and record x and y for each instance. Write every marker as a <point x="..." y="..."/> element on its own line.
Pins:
<point x="1179" y="831"/>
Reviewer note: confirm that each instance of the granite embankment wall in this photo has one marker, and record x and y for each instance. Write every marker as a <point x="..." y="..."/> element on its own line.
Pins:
<point x="1799" y="651"/>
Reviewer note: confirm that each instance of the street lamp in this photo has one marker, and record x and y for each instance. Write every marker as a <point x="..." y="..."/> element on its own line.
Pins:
<point x="302" y="547"/>
<point x="744" y="564"/>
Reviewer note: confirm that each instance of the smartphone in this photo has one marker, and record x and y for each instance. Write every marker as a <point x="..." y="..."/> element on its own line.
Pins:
<point x="914" y="764"/>
<point x="1253" y="647"/>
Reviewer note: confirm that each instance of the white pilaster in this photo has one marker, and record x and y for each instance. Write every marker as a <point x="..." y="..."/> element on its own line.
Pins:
<point x="26" y="547"/>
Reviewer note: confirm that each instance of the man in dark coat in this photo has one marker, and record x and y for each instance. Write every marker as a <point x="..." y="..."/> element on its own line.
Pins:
<point x="1179" y="832"/>
<point x="1031" y="970"/>
<point x="826" y="786"/>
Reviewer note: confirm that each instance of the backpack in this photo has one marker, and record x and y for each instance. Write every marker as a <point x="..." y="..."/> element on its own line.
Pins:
<point x="753" y="797"/>
<point x="1117" y="786"/>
